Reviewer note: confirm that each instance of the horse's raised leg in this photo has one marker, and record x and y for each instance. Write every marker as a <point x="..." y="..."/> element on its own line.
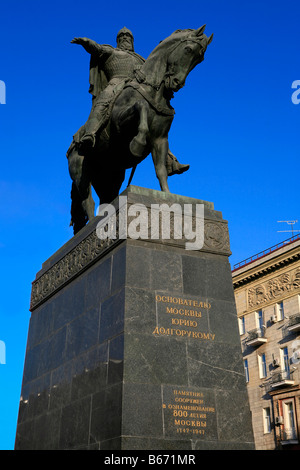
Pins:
<point x="79" y="175"/>
<point x="139" y="142"/>
<point x="159" y="156"/>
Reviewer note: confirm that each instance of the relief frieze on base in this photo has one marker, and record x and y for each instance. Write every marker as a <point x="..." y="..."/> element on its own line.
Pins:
<point x="217" y="237"/>
<point x="78" y="259"/>
<point x="91" y="248"/>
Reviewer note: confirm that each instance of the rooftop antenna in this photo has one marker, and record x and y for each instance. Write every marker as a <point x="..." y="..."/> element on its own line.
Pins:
<point x="291" y="223"/>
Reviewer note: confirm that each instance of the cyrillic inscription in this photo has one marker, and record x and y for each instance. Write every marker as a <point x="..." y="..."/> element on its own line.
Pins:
<point x="189" y="413"/>
<point x="182" y="317"/>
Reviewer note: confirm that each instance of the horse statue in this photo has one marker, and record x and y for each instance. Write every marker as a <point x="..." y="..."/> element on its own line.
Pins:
<point x="139" y="123"/>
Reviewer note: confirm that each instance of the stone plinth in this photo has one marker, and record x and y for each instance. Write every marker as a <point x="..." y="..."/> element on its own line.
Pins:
<point x="134" y="344"/>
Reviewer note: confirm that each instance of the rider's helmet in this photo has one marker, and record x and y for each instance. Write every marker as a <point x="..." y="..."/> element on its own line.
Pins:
<point x="125" y="39"/>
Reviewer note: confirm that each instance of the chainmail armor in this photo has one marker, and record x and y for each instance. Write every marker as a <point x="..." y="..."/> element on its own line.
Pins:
<point x="120" y="65"/>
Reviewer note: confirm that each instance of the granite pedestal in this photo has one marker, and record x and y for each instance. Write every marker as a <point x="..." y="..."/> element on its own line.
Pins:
<point x="134" y="344"/>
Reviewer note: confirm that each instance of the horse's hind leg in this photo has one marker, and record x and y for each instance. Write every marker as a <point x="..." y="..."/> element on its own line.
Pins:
<point x="107" y="186"/>
<point x="80" y="178"/>
<point x="78" y="215"/>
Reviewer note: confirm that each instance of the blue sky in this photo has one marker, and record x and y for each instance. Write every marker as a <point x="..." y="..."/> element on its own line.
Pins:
<point x="235" y="124"/>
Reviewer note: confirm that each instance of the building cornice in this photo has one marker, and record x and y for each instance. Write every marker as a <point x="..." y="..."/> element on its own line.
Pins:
<point x="263" y="269"/>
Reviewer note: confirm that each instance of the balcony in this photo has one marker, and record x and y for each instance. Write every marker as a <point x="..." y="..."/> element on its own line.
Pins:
<point x="281" y="379"/>
<point x="289" y="436"/>
<point x="294" y="323"/>
<point x="256" y="337"/>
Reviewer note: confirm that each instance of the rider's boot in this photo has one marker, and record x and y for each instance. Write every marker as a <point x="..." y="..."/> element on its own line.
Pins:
<point x="89" y="138"/>
<point x="173" y="165"/>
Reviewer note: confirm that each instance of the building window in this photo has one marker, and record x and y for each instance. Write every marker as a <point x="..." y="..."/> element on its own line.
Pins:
<point x="267" y="420"/>
<point x="289" y="431"/>
<point x="246" y="370"/>
<point x="260" y="319"/>
<point x="242" y="325"/>
<point x="284" y="356"/>
<point x="262" y="366"/>
<point x="279" y="311"/>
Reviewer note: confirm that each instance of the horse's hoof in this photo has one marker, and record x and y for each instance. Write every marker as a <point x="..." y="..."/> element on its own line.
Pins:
<point x="137" y="147"/>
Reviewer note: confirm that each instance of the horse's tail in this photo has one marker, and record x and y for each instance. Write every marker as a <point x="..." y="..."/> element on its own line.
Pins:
<point x="78" y="216"/>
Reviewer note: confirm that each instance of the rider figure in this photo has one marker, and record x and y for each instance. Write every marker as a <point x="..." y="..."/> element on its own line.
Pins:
<point x="110" y="69"/>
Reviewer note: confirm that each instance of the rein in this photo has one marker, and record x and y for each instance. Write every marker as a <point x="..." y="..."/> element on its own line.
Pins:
<point x="160" y="109"/>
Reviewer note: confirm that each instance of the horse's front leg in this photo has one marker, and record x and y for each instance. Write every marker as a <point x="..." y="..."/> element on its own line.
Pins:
<point x="159" y="155"/>
<point x="139" y="142"/>
<point x="140" y="109"/>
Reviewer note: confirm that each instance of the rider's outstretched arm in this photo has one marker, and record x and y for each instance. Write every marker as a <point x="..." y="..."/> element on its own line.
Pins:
<point x="92" y="47"/>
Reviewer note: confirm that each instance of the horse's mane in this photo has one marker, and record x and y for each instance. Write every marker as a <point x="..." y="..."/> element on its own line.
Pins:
<point x="155" y="66"/>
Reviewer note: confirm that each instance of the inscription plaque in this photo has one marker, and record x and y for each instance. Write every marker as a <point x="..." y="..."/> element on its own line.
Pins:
<point x="189" y="413"/>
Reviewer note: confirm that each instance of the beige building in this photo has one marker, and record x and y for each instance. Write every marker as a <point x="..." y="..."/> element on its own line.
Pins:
<point x="267" y="293"/>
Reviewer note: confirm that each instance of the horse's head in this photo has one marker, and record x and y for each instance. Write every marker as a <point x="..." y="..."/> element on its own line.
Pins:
<point x="187" y="53"/>
<point x="173" y="59"/>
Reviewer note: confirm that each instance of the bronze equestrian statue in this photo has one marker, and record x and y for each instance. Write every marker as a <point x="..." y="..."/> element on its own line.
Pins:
<point x="131" y="115"/>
